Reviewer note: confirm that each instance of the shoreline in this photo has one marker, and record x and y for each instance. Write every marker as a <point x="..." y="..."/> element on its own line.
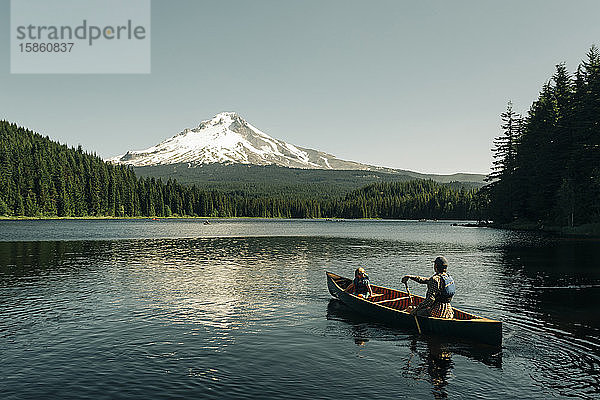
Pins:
<point x="589" y="230"/>
<point x="330" y="219"/>
<point x="93" y="218"/>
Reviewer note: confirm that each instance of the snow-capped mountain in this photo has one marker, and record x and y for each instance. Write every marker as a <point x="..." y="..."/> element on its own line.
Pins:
<point x="227" y="138"/>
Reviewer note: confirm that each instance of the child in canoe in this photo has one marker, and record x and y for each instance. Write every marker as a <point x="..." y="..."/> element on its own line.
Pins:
<point x="360" y="286"/>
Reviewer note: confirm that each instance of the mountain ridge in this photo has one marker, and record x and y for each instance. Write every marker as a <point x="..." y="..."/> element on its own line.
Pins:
<point x="45" y="179"/>
<point x="229" y="139"/>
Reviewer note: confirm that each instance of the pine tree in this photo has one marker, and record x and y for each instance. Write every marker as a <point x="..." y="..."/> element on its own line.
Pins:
<point x="503" y="177"/>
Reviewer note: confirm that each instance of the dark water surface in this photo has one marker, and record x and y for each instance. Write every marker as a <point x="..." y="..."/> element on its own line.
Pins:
<point x="240" y="309"/>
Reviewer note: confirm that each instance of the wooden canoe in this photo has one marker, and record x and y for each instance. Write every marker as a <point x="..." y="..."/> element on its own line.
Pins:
<point x="390" y="305"/>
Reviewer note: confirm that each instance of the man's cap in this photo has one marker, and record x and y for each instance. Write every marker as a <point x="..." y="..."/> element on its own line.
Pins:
<point x="441" y="261"/>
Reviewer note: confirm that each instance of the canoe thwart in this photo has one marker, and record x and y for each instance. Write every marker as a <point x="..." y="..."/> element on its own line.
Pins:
<point x="385" y="301"/>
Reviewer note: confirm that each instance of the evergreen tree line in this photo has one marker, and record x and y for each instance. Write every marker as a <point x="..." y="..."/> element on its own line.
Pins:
<point x="416" y="199"/>
<point x="41" y="178"/>
<point x="547" y="164"/>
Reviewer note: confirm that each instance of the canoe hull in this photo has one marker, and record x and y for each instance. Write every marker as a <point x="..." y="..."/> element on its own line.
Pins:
<point x="477" y="329"/>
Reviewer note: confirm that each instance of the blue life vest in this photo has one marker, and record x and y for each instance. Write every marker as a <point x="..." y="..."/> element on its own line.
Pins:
<point x="361" y="285"/>
<point x="448" y="288"/>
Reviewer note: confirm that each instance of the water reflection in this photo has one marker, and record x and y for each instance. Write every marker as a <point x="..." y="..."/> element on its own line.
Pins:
<point x="436" y="362"/>
<point x="224" y="308"/>
<point x="430" y="357"/>
<point x="32" y="259"/>
<point x="360" y="334"/>
<point x="552" y="291"/>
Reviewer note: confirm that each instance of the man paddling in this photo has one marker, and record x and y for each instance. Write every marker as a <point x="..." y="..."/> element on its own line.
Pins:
<point x="440" y="289"/>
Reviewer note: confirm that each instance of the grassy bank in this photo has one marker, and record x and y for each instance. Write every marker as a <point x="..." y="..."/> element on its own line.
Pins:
<point x="22" y="218"/>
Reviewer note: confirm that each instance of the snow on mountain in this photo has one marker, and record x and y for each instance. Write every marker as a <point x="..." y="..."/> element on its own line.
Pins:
<point x="228" y="138"/>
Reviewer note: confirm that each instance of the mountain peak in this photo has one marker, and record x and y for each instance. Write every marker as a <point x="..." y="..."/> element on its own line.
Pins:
<point x="228" y="138"/>
<point x="226" y="114"/>
<point x="225" y="119"/>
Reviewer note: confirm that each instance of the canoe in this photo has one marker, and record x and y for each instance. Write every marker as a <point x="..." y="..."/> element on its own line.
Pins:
<point x="389" y="307"/>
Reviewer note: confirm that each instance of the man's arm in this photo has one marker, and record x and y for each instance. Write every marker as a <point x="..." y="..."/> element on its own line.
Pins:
<point x="416" y="278"/>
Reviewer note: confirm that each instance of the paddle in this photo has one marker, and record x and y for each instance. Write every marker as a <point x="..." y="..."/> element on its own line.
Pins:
<point x="411" y="303"/>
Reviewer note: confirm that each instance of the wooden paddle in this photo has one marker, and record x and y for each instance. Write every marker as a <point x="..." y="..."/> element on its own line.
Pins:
<point x="411" y="303"/>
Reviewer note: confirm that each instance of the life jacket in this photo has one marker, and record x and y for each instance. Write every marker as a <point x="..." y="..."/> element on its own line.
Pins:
<point x="448" y="288"/>
<point x="361" y="285"/>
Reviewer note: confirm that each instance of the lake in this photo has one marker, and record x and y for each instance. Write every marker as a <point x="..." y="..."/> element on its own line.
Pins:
<point x="139" y="309"/>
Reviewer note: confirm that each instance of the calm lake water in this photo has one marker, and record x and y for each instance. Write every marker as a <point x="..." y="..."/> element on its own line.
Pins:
<point x="142" y="309"/>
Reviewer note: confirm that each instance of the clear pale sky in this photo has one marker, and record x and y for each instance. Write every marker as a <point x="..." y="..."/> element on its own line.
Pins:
<point x="416" y="85"/>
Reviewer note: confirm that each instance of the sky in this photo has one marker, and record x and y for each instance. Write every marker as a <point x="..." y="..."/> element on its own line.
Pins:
<point x="401" y="84"/>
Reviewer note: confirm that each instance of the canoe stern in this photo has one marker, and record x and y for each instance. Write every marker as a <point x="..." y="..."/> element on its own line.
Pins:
<point x="336" y="284"/>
